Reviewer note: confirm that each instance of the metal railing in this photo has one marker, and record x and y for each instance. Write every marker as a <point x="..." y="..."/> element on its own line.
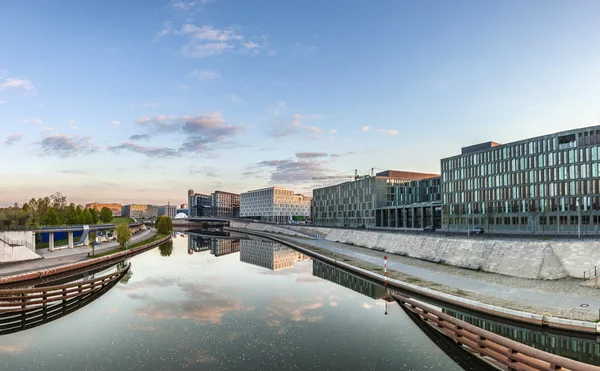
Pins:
<point x="9" y="241"/>
<point x="590" y="273"/>
<point x="489" y="346"/>
<point x="21" y="300"/>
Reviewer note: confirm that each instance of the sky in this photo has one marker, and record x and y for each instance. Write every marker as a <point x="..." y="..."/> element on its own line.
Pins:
<point x="139" y="101"/>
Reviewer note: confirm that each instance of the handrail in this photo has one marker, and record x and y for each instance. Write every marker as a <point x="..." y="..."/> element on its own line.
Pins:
<point x="9" y="241"/>
<point x="508" y="352"/>
<point x="21" y="300"/>
<point x="589" y="272"/>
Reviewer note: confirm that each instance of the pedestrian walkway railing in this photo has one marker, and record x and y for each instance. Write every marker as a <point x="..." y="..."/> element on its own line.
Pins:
<point x="493" y="348"/>
<point x="590" y="273"/>
<point x="9" y="241"/>
<point x="21" y="300"/>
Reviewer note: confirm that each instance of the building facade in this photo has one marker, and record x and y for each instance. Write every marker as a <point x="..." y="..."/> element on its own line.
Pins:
<point x="544" y="184"/>
<point x="199" y="204"/>
<point x="221" y="246"/>
<point x="269" y="255"/>
<point x="139" y="211"/>
<point x="354" y="203"/>
<point x="275" y="204"/>
<point x="167" y="210"/>
<point x="115" y="208"/>
<point x="225" y="204"/>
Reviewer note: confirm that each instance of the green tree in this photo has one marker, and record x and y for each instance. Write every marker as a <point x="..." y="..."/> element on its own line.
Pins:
<point x="106" y="215"/>
<point x="79" y="215"/>
<point x="164" y="225"/>
<point x="92" y="239"/>
<point x="123" y="234"/>
<point x="51" y="217"/>
<point x="95" y="215"/>
<point x="166" y="249"/>
<point x="87" y="217"/>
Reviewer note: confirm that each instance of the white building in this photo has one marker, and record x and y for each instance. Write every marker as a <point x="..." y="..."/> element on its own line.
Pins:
<point x="274" y="204"/>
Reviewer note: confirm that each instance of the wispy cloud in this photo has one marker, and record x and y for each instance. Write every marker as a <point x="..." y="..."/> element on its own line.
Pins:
<point x="18" y="84"/>
<point x="366" y="128"/>
<point x="332" y="131"/>
<point x="294" y="126"/>
<point x="387" y="131"/>
<point x="48" y="128"/>
<point x="114" y="123"/>
<point x="307" y="155"/>
<point x="181" y="5"/>
<point x="72" y="125"/>
<point x="155" y="152"/>
<point x="295" y="171"/>
<point x="2" y="101"/>
<point x="279" y="107"/>
<point x="205" y="74"/>
<point x="63" y="145"/>
<point x="13" y="138"/>
<point x="139" y="137"/>
<point x="36" y="121"/>
<point x="144" y="105"/>
<point x="235" y="98"/>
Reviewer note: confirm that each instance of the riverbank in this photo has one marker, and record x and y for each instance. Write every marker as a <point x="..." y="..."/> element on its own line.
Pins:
<point x="535" y="259"/>
<point x="525" y="309"/>
<point x="58" y="258"/>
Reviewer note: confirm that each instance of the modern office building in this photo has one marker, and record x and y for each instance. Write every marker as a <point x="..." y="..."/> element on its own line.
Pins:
<point x="354" y="203"/>
<point x="134" y="211"/>
<point x="548" y="183"/>
<point x="220" y="247"/>
<point x="275" y="204"/>
<point x="115" y="208"/>
<point x="225" y="204"/>
<point x="151" y="211"/>
<point x="199" y="204"/>
<point x="167" y="210"/>
<point x="268" y="254"/>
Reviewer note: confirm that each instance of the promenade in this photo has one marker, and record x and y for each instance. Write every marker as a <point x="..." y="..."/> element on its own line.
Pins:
<point x="564" y="298"/>
<point x="65" y="256"/>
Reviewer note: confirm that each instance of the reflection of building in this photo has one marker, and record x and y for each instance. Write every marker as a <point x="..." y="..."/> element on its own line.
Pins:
<point x="269" y="254"/>
<point x="115" y="208"/>
<point x="274" y="204"/>
<point x="197" y="243"/>
<point x="348" y="280"/>
<point x="220" y="247"/>
<point x="167" y="210"/>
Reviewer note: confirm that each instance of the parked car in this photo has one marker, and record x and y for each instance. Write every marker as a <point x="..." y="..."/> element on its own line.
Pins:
<point x="429" y="228"/>
<point x="476" y="231"/>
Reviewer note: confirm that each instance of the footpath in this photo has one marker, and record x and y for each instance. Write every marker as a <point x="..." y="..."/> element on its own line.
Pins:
<point x="65" y="256"/>
<point x="564" y="298"/>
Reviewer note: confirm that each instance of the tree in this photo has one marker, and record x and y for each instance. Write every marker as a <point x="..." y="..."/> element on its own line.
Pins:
<point x="166" y="249"/>
<point x="95" y="216"/>
<point x="87" y="217"/>
<point x="106" y="215"/>
<point x="92" y="239"/>
<point x="79" y="215"/>
<point x="51" y="217"/>
<point x="123" y="234"/>
<point x="164" y="225"/>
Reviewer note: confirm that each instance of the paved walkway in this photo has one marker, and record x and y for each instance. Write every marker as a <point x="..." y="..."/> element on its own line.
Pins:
<point x="66" y="256"/>
<point x="560" y="294"/>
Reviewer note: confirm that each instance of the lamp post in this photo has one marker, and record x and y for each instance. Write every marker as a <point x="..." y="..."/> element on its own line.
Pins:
<point x="578" y="219"/>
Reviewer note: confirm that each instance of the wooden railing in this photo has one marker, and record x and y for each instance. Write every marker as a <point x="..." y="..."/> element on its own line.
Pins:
<point x="21" y="300"/>
<point x="501" y="351"/>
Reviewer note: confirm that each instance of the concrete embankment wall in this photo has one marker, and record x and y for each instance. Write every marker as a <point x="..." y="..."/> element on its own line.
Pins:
<point x="17" y="253"/>
<point x="526" y="259"/>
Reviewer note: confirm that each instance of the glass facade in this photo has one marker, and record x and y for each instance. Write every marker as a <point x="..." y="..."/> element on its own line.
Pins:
<point x="547" y="183"/>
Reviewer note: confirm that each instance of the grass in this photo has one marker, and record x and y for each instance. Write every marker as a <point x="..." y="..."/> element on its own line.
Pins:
<point x="121" y="219"/>
<point x="137" y="244"/>
<point x="44" y="245"/>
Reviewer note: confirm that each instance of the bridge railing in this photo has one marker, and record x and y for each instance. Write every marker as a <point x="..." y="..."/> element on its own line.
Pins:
<point x="509" y="353"/>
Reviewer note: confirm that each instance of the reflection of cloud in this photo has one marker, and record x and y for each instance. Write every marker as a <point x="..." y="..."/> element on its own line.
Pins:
<point x="112" y="310"/>
<point x="292" y="310"/>
<point x="198" y="304"/>
<point x="333" y="304"/>
<point x="367" y="306"/>
<point x="13" y="348"/>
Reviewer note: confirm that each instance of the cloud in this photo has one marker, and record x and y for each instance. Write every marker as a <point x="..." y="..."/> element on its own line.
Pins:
<point x="336" y="155"/>
<point x="154" y="152"/>
<point x="181" y="5"/>
<point x="205" y="74"/>
<point x="235" y="98"/>
<point x="366" y="128"/>
<point x="294" y="126"/>
<point x="332" y="131"/>
<point x="204" y="41"/>
<point x="18" y="84"/>
<point x="114" y="123"/>
<point x="2" y="101"/>
<point x="63" y="145"/>
<point x="204" y="170"/>
<point x="293" y="172"/>
<point x="139" y="137"/>
<point x="48" y="128"/>
<point x="306" y="155"/>
<point x="72" y="125"/>
<point x="13" y="138"/>
<point x="277" y="110"/>
<point x="200" y="132"/>
<point x="37" y="121"/>
<point x="387" y="131"/>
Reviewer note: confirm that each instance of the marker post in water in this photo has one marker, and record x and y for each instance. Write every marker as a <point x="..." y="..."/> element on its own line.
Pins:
<point x="385" y="281"/>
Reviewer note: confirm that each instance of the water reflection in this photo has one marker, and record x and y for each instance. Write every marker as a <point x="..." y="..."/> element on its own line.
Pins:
<point x="269" y="255"/>
<point x="348" y="280"/>
<point x="220" y="247"/>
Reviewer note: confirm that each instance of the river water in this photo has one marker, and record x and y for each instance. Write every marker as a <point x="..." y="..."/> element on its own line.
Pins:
<point x="219" y="304"/>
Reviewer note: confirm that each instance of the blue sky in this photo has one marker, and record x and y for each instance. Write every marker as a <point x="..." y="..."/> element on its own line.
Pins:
<point x="137" y="101"/>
